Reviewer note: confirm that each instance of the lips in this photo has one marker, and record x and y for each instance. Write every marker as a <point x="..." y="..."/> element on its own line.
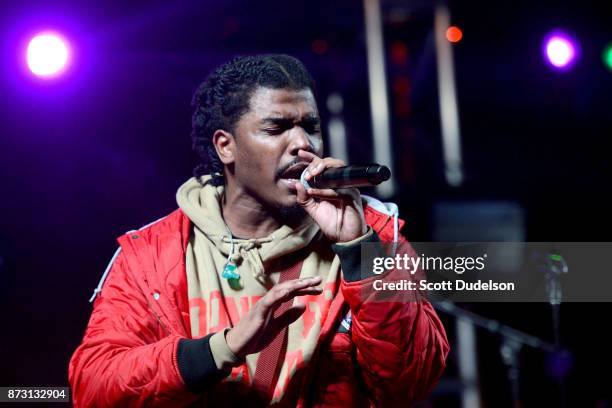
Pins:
<point x="294" y="172"/>
<point x="292" y="175"/>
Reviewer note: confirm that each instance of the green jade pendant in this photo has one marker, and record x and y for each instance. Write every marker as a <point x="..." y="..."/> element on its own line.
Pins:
<point x="233" y="278"/>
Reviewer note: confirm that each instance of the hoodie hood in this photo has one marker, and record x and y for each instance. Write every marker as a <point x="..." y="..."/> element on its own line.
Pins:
<point x="201" y="202"/>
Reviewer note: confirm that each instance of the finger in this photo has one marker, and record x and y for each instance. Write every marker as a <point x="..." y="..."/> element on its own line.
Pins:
<point x="339" y="195"/>
<point x="302" y="282"/>
<point x="315" y="163"/>
<point x="311" y="280"/>
<point x="304" y="154"/>
<point x="308" y="291"/>
<point x="304" y="199"/>
<point x="289" y="298"/>
<point x="323" y="193"/>
<point x="287" y="290"/>
<point x="318" y="166"/>
<point x="351" y="193"/>
<point x="297" y="284"/>
<point x="286" y="296"/>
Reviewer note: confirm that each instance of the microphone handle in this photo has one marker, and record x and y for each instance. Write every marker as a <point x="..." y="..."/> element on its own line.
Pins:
<point x="351" y="176"/>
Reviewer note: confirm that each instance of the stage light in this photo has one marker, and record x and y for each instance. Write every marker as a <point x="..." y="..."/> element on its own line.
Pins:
<point x="320" y="46"/>
<point x="607" y="56"/>
<point x="47" y="55"/>
<point x="560" y="50"/>
<point x="454" y="34"/>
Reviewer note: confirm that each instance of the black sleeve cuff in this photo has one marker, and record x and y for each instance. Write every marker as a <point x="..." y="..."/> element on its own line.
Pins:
<point x="197" y="366"/>
<point x="350" y="259"/>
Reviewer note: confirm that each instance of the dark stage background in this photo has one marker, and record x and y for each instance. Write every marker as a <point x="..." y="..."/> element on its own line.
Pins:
<point x="102" y="150"/>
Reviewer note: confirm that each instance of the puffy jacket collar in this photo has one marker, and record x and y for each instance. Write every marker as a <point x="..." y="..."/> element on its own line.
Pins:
<point x="176" y="227"/>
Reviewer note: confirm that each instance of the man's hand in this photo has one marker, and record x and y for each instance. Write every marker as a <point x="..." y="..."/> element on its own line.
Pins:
<point x="259" y="327"/>
<point x="338" y="212"/>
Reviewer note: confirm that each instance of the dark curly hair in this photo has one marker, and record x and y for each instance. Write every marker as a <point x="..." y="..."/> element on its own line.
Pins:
<point x="224" y="97"/>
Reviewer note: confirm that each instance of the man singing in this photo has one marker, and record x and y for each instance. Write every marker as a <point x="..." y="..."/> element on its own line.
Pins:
<point x="252" y="292"/>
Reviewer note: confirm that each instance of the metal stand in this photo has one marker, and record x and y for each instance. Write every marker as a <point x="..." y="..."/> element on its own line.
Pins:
<point x="555" y="267"/>
<point x="509" y="351"/>
<point x="512" y="342"/>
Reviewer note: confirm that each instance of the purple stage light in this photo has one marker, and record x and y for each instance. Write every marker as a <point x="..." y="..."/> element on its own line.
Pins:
<point x="47" y="55"/>
<point x="560" y="50"/>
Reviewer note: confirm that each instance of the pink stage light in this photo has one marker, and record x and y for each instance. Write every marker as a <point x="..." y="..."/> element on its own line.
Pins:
<point x="47" y="55"/>
<point x="560" y="50"/>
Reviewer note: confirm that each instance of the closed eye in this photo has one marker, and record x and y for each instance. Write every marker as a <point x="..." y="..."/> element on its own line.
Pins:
<point x="277" y="126"/>
<point x="311" y="125"/>
<point x="274" y="130"/>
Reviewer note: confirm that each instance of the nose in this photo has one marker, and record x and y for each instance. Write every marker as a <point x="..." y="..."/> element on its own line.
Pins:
<point x="299" y="139"/>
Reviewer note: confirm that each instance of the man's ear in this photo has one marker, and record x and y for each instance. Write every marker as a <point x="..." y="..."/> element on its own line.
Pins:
<point x="225" y="145"/>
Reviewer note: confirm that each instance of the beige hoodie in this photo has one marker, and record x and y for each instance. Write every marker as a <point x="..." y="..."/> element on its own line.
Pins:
<point x="214" y="305"/>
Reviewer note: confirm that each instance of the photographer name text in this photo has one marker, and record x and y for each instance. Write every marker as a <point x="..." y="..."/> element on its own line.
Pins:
<point x="448" y="285"/>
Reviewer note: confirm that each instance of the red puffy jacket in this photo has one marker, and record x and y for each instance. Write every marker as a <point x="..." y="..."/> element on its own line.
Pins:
<point x="128" y="356"/>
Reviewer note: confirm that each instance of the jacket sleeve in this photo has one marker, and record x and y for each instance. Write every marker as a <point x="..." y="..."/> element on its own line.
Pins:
<point x="127" y="357"/>
<point x="401" y="345"/>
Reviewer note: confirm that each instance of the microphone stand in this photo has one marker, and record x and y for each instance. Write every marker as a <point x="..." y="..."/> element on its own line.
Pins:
<point x="555" y="266"/>
<point x="512" y="341"/>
